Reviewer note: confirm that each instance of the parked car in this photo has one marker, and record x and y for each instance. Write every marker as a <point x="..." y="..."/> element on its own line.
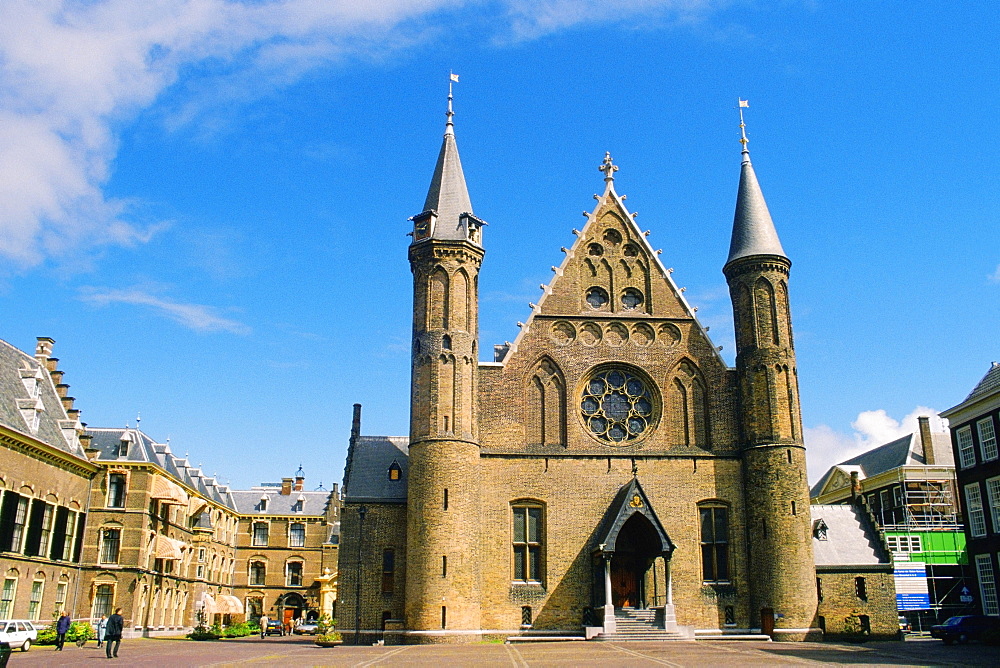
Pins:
<point x="18" y="633"/>
<point x="964" y="628"/>
<point x="307" y="628"/>
<point x="275" y="627"/>
<point x="904" y="624"/>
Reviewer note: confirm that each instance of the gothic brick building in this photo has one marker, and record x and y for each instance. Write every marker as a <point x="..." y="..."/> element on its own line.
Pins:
<point x="607" y="461"/>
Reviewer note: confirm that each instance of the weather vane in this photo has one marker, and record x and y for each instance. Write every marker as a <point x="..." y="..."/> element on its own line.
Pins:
<point x="744" y="104"/>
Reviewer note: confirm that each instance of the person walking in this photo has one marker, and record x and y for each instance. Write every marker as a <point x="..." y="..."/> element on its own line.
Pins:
<point x="102" y="627"/>
<point x="62" y="628"/>
<point x="113" y="633"/>
<point x="263" y="626"/>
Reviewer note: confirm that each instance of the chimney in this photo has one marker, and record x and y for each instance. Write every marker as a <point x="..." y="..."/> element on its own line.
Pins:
<point x="62" y="389"/>
<point x="286" y="486"/>
<point x="855" y="486"/>
<point x="57" y="376"/>
<point x="925" y="439"/>
<point x="356" y="423"/>
<point x="43" y="349"/>
<point x="300" y="479"/>
<point x="67" y="402"/>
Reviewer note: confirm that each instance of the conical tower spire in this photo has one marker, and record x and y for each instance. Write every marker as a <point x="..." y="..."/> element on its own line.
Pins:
<point x="447" y="210"/>
<point x="753" y="229"/>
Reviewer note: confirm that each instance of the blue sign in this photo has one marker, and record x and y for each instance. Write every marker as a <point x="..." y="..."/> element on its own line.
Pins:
<point x="911" y="586"/>
<point x="913" y="601"/>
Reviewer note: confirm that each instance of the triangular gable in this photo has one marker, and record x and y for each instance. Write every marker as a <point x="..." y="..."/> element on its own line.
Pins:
<point x="838" y="477"/>
<point x="630" y="259"/>
<point x="630" y="500"/>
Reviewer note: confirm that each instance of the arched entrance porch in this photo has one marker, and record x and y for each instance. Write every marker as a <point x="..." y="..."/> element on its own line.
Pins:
<point x="632" y="559"/>
<point x="289" y="608"/>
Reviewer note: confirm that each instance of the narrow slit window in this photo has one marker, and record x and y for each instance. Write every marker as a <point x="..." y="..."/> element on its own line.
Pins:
<point x="444" y="565"/>
<point x="446" y="498"/>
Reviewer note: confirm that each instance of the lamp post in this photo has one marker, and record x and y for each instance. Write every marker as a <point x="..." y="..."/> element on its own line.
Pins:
<point x="362" y="511"/>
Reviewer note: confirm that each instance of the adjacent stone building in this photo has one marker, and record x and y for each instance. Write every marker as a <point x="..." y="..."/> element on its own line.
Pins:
<point x="607" y="463"/>
<point x="909" y="485"/>
<point x="287" y="540"/>
<point x="172" y="546"/>
<point x="854" y="579"/>
<point x="93" y="519"/>
<point x="45" y="479"/>
<point x="974" y="426"/>
<point x="161" y="540"/>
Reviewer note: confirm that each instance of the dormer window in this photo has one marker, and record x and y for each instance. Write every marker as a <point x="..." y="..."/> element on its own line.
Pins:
<point x="395" y="472"/>
<point x="299" y="502"/>
<point x="124" y="443"/>
<point x="262" y="506"/>
<point x="30" y="378"/>
<point x="820" y="529"/>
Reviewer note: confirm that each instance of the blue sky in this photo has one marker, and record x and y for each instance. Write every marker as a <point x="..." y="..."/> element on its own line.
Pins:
<point x="205" y="202"/>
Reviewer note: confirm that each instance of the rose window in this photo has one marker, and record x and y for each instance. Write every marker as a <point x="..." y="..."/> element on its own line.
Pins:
<point x="617" y="405"/>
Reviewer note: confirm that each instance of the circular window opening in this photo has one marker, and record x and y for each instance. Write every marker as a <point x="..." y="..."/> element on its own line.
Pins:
<point x="631" y="298"/>
<point x="613" y="237"/>
<point x="617" y="405"/>
<point x="597" y="297"/>
<point x="630" y="250"/>
<point x="595" y="249"/>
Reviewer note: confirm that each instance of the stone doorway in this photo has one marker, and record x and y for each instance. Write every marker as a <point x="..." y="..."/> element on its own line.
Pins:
<point x="636" y="548"/>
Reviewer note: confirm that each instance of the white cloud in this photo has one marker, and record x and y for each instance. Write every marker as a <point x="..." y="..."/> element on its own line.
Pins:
<point x="534" y="18"/>
<point x="826" y="446"/>
<point x="198" y="317"/>
<point x="995" y="276"/>
<point x="72" y="72"/>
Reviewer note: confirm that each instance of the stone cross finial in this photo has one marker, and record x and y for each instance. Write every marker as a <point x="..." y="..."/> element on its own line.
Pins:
<point x="607" y="167"/>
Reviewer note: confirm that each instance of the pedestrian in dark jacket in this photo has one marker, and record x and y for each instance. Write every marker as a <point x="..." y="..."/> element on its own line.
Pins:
<point x="113" y="633"/>
<point x="62" y="628"/>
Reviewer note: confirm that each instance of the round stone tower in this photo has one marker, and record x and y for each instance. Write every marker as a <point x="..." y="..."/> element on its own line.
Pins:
<point x="443" y="506"/>
<point x="782" y="570"/>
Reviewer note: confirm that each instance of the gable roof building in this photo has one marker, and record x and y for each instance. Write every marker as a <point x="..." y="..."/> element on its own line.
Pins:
<point x="607" y="459"/>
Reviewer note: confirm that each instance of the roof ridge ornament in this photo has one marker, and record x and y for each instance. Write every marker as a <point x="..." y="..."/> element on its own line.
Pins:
<point x="608" y="167"/>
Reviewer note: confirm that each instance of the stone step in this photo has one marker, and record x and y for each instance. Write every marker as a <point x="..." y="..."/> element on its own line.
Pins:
<point x="618" y="637"/>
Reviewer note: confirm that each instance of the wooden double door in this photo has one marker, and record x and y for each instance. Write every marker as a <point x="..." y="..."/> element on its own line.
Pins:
<point x="627" y="579"/>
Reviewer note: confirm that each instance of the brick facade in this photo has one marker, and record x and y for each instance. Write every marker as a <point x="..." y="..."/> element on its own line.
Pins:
<point x="611" y="379"/>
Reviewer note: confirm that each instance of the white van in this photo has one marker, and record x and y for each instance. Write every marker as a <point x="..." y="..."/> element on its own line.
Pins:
<point x="18" y="632"/>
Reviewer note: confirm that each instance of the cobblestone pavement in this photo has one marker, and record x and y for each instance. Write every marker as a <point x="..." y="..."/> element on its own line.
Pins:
<point x="298" y="651"/>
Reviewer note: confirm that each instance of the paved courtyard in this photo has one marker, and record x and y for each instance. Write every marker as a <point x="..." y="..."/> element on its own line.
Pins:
<point x="298" y="651"/>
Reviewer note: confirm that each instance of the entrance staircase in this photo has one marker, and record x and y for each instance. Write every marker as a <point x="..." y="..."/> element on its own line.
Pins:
<point x="633" y="624"/>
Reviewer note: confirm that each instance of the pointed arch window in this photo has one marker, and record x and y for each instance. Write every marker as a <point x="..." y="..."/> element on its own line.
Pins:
<point x="688" y="407"/>
<point x="546" y="405"/>
<point x="767" y="313"/>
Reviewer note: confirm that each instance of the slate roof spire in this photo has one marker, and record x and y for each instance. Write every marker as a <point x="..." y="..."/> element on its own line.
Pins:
<point x="448" y="196"/>
<point x="753" y="229"/>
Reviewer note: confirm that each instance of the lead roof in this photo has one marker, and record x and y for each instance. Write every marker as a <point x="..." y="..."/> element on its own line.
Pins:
<point x="753" y="229"/>
<point x="366" y="478"/>
<point x="989" y="383"/>
<point x="851" y="540"/>
<point x="905" y="451"/>
<point x="144" y="449"/>
<point x="12" y="389"/>
<point x="448" y="196"/>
